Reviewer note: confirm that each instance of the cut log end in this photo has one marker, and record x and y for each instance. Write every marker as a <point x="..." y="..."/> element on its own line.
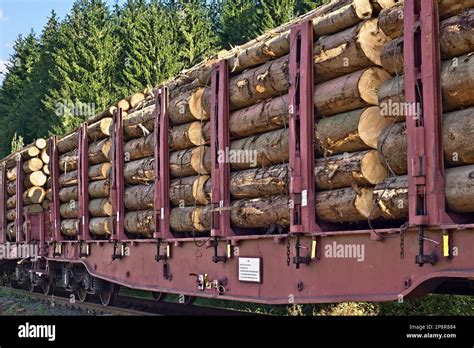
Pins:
<point x="365" y="205"/>
<point x="372" y="168"/>
<point x="369" y="84"/>
<point x="371" y="124"/>
<point x="371" y="40"/>
<point x="195" y="105"/>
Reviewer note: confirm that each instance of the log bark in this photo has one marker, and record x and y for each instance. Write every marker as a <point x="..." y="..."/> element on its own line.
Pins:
<point x="97" y="208"/>
<point x="101" y="226"/>
<point x="11" y="173"/>
<point x="185" y="136"/>
<point x="456" y="37"/>
<point x="138" y="123"/>
<point x="139" y="171"/>
<point x="96" y="131"/>
<point x="97" y="189"/>
<point x="140" y="197"/>
<point x="98" y="172"/>
<point x="11" y="202"/>
<point x="184" y="108"/>
<point x="457" y="86"/>
<point x="11" y="187"/>
<point x="458" y="146"/>
<point x="32" y="165"/>
<point x="140" y="222"/>
<point x="349" y="92"/>
<point x="99" y="152"/>
<point x="347" y="170"/>
<point x="188" y="191"/>
<point x="349" y="132"/>
<point x="32" y="209"/>
<point x="392" y="194"/>
<point x="46" y="204"/>
<point x="189" y="162"/>
<point x="70" y="227"/>
<point x="11" y="232"/>
<point x="391" y="19"/>
<point x="139" y="148"/>
<point x="37" y="178"/>
<point x="34" y="195"/>
<point x="11" y="214"/>
<point x="350" y="50"/>
<point x="259" y="118"/>
<point x="261" y="212"/>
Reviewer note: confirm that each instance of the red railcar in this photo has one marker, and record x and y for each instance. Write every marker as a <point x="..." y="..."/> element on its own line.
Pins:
<point x="431" y="253"/>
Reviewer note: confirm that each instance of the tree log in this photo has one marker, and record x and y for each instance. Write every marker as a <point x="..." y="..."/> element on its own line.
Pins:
<point x="97" y="189"/>
<point x="185" y="136"/>
<point x="45" y="156"/>
<point x="41" y="143"/>
<point x="99" y="152"/>
<point x="456" y="37"/>
<point x="32" y="165"/>
<point x="184" y="108"/>
<point x="70" y="227"/>
<point x="46" y="169"/>
<point x="457" y="84"/>
<point x="188" y="191"/>
<point x="11" y="173"/>
<point x="458" y="127"/>
<point x="97" y="208"/>
<point x="135" y="99"/>
<point x="349" y="92"/>
<point x="96" y="131"/>
<point x="97" y="172"/>
<point x="140" y="197"/>
<point x="140" y="222"/>
<point x="259" y="118"/>
<point x="358" y="168"/>
<point x="392" y="194"/>
<point x="11" y="202"/>
<point x="34" y="195"/>
<point x="101" y="226"/>
<point x="11" y="187"/>
<point x="140" y="171"/>
<point x="138" y="123"/>
<point x="189" y="162"/>
<point x="37" y="178"/>
<point x="123" y="104"/>
<point x="138" y="148"/>
<point x="11" y="214"/>
<point x="32" y="209"/>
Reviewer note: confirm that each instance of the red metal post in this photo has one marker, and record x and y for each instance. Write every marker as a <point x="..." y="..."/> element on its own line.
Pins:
<point x="220" y="145"/>
<point x="161" y="166"/>
<point x="83" y="183"/>
<point x="118" y="178"/>
<point x="41" y="234"/>
<point x="301" y="130"/>
<point x="19" y="220"/>
<point x="3" y="203"/>
<point x="55" y="204"/>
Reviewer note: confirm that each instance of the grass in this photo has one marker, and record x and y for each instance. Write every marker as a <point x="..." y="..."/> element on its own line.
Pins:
<point x="433" y="304"/>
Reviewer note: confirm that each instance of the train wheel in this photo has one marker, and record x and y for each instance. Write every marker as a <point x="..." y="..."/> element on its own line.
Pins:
<point x="108" y="295"/>
<point x="189" y="300"/>
<point x="159" y="296"/>
<point x="46" y="286"/>
<point x="81" y="293"/>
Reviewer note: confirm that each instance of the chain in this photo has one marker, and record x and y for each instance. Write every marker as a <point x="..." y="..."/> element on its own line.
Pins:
<point x="403" y="229"/>
<point x="288" y="250"/>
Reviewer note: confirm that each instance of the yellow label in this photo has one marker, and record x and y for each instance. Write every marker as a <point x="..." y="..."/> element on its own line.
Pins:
<point x="313" y="249"/>
<point x="446" y="245"/>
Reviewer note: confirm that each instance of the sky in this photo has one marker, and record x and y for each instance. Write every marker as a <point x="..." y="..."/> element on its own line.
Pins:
<point x="20" y="16"/>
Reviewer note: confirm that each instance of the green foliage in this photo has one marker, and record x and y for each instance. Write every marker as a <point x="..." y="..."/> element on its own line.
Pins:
<point x="98" y="54"/>
<point x="17" y="143"/>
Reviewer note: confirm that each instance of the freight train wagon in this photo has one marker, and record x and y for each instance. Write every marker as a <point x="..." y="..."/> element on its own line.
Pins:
<point x="165" y="205"/>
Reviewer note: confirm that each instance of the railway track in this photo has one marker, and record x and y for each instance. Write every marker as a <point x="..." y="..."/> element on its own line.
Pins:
<point x="126" y="305"/>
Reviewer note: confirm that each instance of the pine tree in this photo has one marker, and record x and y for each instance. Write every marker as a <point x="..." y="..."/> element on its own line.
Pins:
<point x="14" y="91"/>
<point x="196" y="38"/>
<point x="238" y="22"/>
<point x="303" y="6"/>
<point x="274" y="13"/>
<point x="83" y="64"/>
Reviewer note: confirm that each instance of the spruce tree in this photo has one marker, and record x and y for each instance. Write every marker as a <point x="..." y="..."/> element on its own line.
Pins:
<point x="14" y="92"/>
<point x="83" y="64"/>
<point x="238" y="22"/>
<point x="274" y="13"/>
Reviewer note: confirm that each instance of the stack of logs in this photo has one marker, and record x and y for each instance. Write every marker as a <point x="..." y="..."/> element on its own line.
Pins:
<point x="457" y="83"/>
<point x="347" y="75"/>
<point x="36" y="173"/>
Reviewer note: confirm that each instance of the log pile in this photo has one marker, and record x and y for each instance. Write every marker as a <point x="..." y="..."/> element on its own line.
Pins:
<point x="360" y="135"/>
<point x="35" y="172"/>
<point x="457" y="82"/>
<point x="99" y="156"/>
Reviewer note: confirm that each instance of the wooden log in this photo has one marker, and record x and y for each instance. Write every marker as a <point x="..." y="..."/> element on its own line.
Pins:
<point x="97" y="172"/>
<point x="123" y="104"/>
<point x="11" y="202"/>
<point x="138" y="148"/>
<point x="349" y="92"/>
<point x="350" y="50"/>
<point x="101" y="226"/>
<point x="97" y="208"/>
<point x="34" y="195"/>
<point x="11" y="187"/>
<point x="189" y="191"/>
<point x="188" y="219"/>
<point x="41" y="143"/>
<point x="32" y="165"/>
<point x="32" y="209"/>
<point x="189" y="162"/>
<point x="185" y="136"/>
<point x="109" y="112"/>
<point x="139" y="197"/>
<point x="184" y="108"/>
<point x="97" y="189"/>
<point x="46" y="169"/>
<point x="138" y="123"/>
<point x="456" y="37"/>
<point x="99" y="152"/>
<point x="449" y="8"/>
<point x="45" y="156"/>
<point x="11" y="173"/>
<point x="30" y="152"/>
<point x="11" y="214"/>
<point x="260" y="212"/>
<point x="37" y="178"/>
<point x="140" y="222"/>
<point x="27" y="152"/>
<point x="457" y="85"/>
<point x="135" y="99"/>
<point x="259" y="118"/>
<point x="70" y="227"/>
<point x="140" y="171"/>
<point x="95" y="131"/>
<point x="392" y="194"/>
<point x="46" y="204"/>
<point x="11" y="232"/>
<point x="350" y="169"/>
<point x="457" y="133"/>
<point x="352" y="131"/>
